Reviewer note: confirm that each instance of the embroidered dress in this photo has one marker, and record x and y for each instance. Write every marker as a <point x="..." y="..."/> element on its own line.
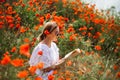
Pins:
<point x="49" y="57"/>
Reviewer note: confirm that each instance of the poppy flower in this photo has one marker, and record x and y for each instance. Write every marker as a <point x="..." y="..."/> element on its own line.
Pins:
<point x="68" y="79"/>
<point x="22" y="74"/>
<point x="89" y="34"/>
<point x="13" y="49"/>
<point x="36" y="28"/>
<point x="70" y="29"/>
<point x="55" y="72"/>
<point x="48" y="16"/>
<point x="37" y="15"/>
<point x="46" y="32"/>
<point x="96" y="21"/>
<point x="11" y="25"/>
<point x="118" y="75"/>
<point x="60" y="78"/>
<point x="34" y="39"/>
<point x="118" y="43"/>
<point x="115" y="67"/>
<point x="38" y="78"/>
<point x="50" y="77"/>
<point x="40" y="53"/>
<point x="102" y="40"/>
<point x="17" y="62"/>
<point x="22" y="29"/>
<point x="18" y="18"/>
<point x="69" y="63"/>
<point x="91" y="28"/>
<point x="72" y="37"/>
<point x="41" y="20"/>
<point x="98" y="47"/>
<point x="6" y="59"/>
<point x="32" y="69"/>
<point x="40" y="65"/>
<point x="17" y="25"/>
<point x="118" y="38"/>
<point x="97" y="35"/>
<point x="24" y="50"/>
<point x="26" y="40"/>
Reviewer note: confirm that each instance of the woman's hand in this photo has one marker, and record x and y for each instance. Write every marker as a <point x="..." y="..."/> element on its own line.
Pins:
<point x="48" y="68"/>
<point x="53" y="67"/>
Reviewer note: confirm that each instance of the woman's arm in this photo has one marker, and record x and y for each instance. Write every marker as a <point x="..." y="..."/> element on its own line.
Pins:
<point x="57" y="65"/>
<point x="54" y="67"/>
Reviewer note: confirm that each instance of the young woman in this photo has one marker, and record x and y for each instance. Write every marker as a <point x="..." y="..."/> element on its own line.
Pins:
<point x="50" y="51"/>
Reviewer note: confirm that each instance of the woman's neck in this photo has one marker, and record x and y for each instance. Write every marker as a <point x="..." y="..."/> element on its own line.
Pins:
<point x="47" y="41"/>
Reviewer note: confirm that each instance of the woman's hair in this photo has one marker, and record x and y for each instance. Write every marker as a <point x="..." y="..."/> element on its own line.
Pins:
<point x="49" y="26"/>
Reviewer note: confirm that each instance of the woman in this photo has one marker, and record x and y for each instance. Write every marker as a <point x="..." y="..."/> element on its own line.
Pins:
<point x="50" y="51"/>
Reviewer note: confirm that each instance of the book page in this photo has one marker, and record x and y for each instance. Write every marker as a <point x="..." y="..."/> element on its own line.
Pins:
<point x="71" y="54"/>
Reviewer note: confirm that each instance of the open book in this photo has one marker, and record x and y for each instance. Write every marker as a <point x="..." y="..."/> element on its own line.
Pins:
<point x="69" y="55"/>
<point x="65" y="58"/>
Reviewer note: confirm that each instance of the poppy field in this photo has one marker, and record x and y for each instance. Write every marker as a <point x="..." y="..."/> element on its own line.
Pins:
<point x="95" y="32"/>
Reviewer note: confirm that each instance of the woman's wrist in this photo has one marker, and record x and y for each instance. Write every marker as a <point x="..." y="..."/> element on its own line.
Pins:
<point x="53" y="66"/>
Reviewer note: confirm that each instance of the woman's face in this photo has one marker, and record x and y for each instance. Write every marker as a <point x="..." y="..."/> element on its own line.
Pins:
<point x="54" y="34"/>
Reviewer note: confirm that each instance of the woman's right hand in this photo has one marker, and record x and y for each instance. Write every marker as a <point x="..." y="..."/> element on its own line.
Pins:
<point x="55" y="66"/>
<point x="48" y="69"/>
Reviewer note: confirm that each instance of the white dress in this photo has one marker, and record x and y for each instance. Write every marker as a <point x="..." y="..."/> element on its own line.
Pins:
<point x="49" y="57"/>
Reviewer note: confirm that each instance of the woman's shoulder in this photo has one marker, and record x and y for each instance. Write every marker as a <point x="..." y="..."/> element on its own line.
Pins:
<point x="42" y="46"/>
<point x="53" y="43"/>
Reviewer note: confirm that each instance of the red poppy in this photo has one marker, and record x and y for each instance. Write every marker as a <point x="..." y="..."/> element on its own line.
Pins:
<point x="118" y="43"/>
<point x="98" y="47"/>
<point x="38" y="78"/>
<point x="22" y="30"/>
<point x="46" y="32"/>
<point x="91" y="28"/>
<point x="36" y="28"/>
<point x="97" y="35"/>
<point x="118" y="75"/>
<point x="54" y="72"/>
<point x="41" y="20"/>
<point x="24" y="50"/>
<point x="13" y="49"/>
<point x="70" y="29"/>
<point x="22" y="74"/>
<point x="17" y="25"/>
<point x="5" y="60"/>
<point x="11" y="25"/>
<point x="69" y="63"/>
<point x="72" y="37"/>
<point x="48" y="16"/>
<point x="50" y="77"/>
<point x="40" y="53"/>
<point x="17" y="62"/>
<point x="96" y="21"/>
<point x="37" y="15"/>
<point x="26" y="40"/>
<point x="115" y="67"/>
<point x="32" y="69"/>
<point x="40" y="65"/>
